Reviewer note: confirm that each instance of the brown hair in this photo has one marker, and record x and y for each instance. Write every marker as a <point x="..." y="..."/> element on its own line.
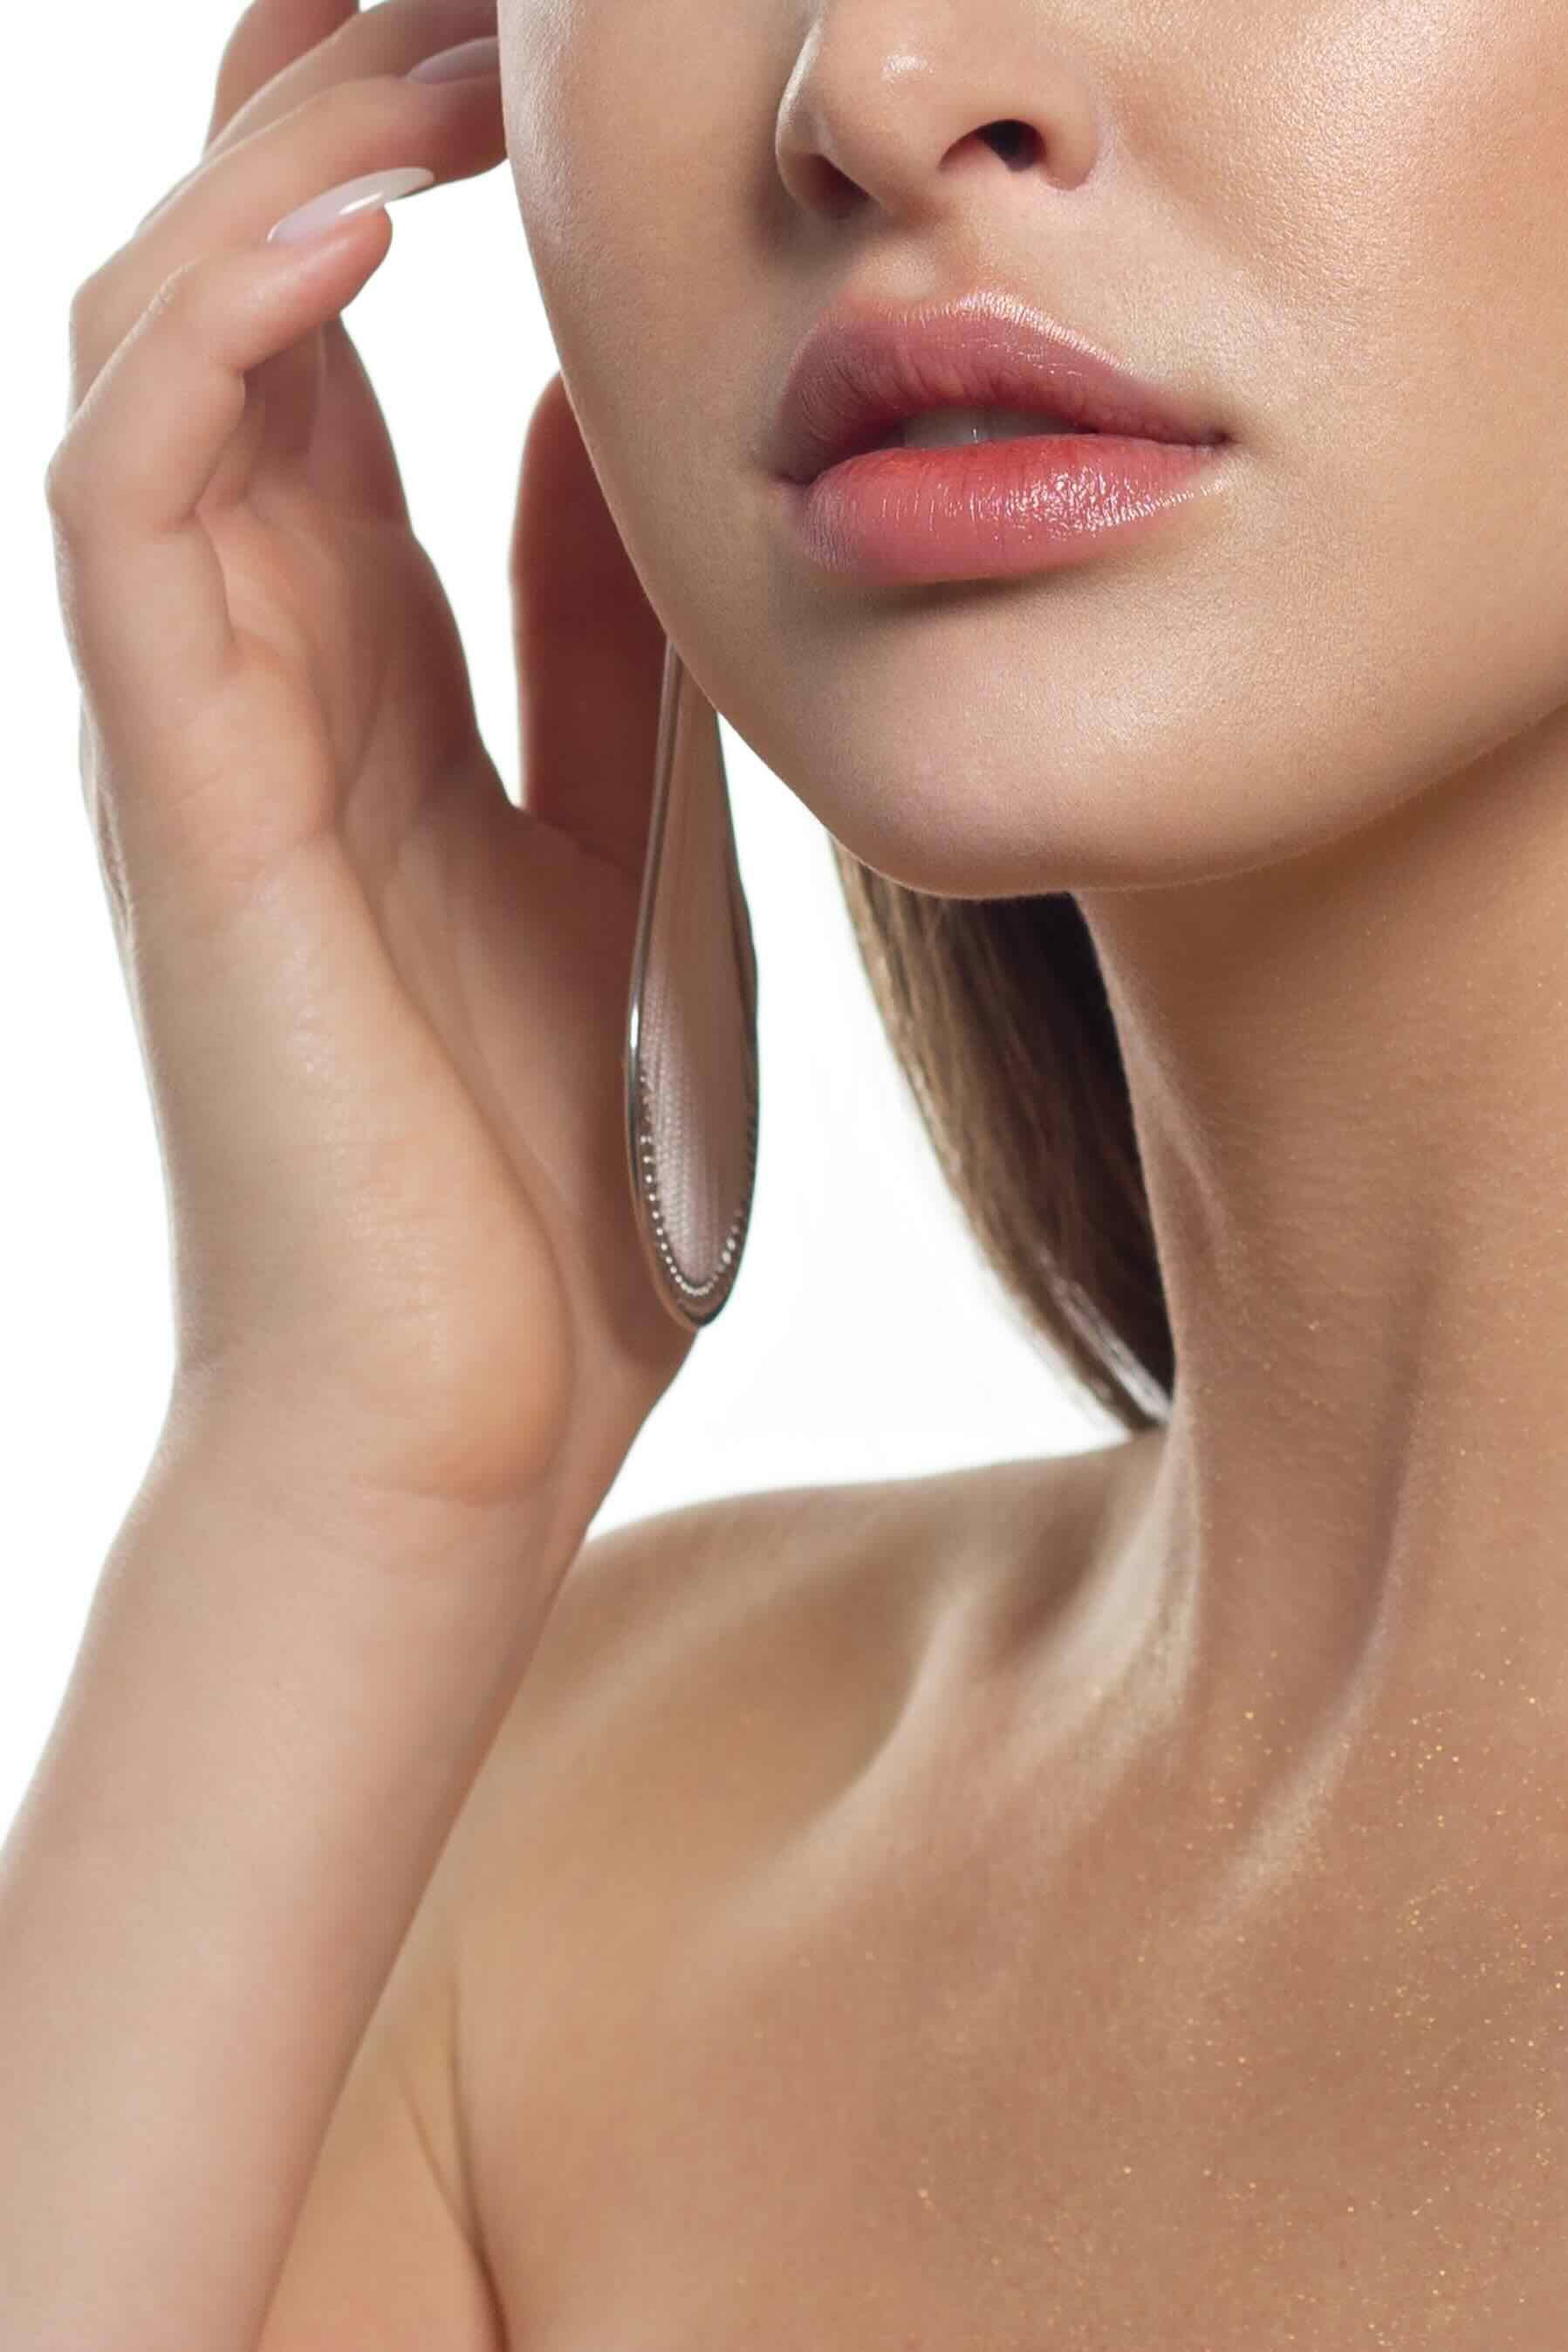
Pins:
<point x="997" y="1015"/>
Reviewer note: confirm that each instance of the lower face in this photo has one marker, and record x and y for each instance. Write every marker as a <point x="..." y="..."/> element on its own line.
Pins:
<point x="1337" y="225"/>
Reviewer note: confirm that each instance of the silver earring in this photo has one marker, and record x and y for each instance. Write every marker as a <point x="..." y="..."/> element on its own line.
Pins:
<point x="691" y="1023"/>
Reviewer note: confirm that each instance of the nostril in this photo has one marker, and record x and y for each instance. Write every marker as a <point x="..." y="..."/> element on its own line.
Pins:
<point x="1015" y="142"/>
<point x="825" y="186"/>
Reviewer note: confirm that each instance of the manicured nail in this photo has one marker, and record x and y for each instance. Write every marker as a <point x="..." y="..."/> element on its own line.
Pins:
<point x="481" y="57"/>
<point x="324" y="211"/>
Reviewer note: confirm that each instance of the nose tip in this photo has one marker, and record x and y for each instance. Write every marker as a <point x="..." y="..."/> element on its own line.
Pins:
<point x="867" y="119"/>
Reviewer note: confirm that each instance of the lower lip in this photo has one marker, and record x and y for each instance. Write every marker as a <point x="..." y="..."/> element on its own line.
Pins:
<point x="991" y="510"/>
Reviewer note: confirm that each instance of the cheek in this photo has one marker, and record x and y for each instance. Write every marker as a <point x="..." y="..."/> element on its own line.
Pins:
<point x="1396" y="216"/>
<point x="645" y="226"/>
<point x="1373" y="193"/>
<point x="636" y="214"/>
<point x="1395" y="186"/>
<point x="633" y="156"/>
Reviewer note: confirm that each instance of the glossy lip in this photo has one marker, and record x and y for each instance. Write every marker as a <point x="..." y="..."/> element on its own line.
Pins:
<point x="861" y="371"/>
<point x="989" y="510"/>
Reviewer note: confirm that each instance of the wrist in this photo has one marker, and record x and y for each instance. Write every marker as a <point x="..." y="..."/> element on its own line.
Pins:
<point x="304" y="1473"/>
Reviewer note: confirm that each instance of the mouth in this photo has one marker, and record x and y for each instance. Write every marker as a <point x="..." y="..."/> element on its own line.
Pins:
<point x="960" y="428"/>
<point x="985" y="368"/>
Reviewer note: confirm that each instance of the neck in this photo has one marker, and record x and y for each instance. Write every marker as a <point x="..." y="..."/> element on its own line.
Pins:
<point x="1350" y="1080"/>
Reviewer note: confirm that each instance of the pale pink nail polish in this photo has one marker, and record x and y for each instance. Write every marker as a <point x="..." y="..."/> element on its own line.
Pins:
<point x="324" y="211"/>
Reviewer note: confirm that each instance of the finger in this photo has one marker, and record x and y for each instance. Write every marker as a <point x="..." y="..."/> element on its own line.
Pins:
<point x="267" y="39"/>
<point x="589" y="647"/>
<point x="456" y="128"/>
<point x="389" y="38"/>
<point x="142" y="590"/>
<point x="386" y="39"/>
<point x="269" y="36"/>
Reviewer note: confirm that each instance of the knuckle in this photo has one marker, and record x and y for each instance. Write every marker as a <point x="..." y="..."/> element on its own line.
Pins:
<point x="74" y="471"/>
<point x="85" y="303"/>
<point x="177" y="304"/>
<point x="90" y="326"/>
<point x="63" y="485"/>
<point x="175" y="292"/>
<point x="84" y="328"/>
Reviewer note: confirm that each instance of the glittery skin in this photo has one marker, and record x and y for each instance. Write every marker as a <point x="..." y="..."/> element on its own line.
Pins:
<point x="892" y="1963"/>
<point x="1130" y="1916"/>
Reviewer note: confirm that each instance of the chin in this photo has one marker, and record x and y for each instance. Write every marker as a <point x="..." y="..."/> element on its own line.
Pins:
<point x="962" y="805"/>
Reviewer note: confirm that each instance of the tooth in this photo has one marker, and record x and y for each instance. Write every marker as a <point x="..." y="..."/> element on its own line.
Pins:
<point x="945" y="428"/>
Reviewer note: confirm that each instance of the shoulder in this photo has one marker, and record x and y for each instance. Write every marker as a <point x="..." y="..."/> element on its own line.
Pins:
<point x="709" y="1681"/>
<point x="661" y="1711"/>
<point x="786" y="1575"/>
<point x="711" y="1676"/>
<point x="705" y="1624"/>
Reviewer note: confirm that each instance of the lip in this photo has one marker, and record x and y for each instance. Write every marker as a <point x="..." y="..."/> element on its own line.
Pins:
<point x="861" y="372"/>
<point x="991" y="510"/>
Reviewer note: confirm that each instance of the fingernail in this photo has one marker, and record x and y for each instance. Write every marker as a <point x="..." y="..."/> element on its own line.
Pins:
<point x="324" y="211"/>
<point x="481" y="57"/>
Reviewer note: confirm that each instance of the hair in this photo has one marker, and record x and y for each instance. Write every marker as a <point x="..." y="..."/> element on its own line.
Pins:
<point x="998" y="1018"/>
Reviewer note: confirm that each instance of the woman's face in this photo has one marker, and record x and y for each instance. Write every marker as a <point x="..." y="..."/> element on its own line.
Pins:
<point x="1339" y="226"/>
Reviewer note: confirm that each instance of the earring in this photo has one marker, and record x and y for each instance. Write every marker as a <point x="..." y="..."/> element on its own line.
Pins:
<point x="691" y="1057"/>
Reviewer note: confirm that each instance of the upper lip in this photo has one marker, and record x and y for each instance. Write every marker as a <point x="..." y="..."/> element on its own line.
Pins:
<point x="861" y="372"/>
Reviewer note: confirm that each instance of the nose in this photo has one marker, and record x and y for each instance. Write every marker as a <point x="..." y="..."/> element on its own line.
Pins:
<point x="894" y="103"/>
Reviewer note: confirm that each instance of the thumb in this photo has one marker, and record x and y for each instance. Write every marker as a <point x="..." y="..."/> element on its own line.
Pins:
<point x="590" y="648"/>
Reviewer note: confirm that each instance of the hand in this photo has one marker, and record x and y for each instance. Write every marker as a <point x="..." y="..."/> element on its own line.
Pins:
<point x="382" y="1009"/>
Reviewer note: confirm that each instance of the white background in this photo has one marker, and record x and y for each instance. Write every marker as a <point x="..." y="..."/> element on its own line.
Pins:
<point x="865" y="1338"/>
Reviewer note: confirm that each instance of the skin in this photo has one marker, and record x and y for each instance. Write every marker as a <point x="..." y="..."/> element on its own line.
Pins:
<point x="1114" y="1899"/>
<point x="1257" y="1726"/>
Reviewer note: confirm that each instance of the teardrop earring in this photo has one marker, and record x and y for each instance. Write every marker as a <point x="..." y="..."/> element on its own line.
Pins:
<point x="692" y="1091"/>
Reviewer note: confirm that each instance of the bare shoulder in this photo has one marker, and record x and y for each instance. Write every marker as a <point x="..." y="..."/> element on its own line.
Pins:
<point x="687" y="1653"/>
<point x="661" y="1714"/>
<point x="712" y="1676"/>
<point x="711" y="1680"/>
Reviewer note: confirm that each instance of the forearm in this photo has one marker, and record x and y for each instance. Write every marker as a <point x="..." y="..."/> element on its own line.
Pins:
<point x="277" y="1709"/>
